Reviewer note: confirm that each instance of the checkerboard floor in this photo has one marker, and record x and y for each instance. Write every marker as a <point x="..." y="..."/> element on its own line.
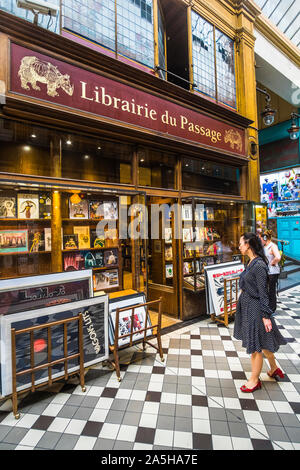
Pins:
<point x="192" y="400"/>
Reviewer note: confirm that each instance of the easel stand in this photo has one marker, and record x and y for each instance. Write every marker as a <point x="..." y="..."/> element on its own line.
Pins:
<point x="50" y="363"/>
<point x="229" y="304"/>
<point x="115" y="348"/>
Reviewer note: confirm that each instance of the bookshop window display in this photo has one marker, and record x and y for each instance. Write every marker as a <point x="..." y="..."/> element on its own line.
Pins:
<point x="210" y="235"/>
<point x="86" y="238"/>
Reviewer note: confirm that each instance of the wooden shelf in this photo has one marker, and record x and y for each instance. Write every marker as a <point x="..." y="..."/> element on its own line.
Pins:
<point x="22" y="253"/>
<point x="24" y="220"/>
<point x="88" y="249"/>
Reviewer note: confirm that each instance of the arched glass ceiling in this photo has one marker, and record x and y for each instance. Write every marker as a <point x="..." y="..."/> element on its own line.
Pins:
<point x="285" y="14"/>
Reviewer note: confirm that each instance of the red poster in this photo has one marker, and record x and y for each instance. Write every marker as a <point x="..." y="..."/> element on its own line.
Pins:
<point x="45" y="78"/>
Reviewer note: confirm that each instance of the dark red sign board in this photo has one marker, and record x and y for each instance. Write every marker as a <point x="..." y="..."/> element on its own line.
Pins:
<point x="44" y="78"/>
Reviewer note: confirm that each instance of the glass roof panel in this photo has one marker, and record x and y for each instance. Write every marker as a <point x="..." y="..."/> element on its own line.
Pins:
<point x="285" y="14"/>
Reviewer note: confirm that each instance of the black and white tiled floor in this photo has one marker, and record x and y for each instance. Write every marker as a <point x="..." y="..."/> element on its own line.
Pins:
<point x="192" y="400"/>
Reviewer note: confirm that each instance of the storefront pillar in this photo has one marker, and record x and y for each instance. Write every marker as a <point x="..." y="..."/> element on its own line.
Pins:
<point x="56" y="219"/>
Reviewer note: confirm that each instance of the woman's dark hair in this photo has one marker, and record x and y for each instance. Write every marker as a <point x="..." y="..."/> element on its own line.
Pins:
<point x="255" y="245"/>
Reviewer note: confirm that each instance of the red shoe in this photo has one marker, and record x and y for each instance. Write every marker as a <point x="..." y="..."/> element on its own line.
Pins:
<point x="250" y="390"/>
<point x="278" y="372"/>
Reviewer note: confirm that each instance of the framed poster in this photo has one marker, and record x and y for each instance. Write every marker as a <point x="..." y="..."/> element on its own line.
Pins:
<point x="28" y="206"/>
<point x="139" y="320"/>
<point x="110" y="210"/>
<point x="36" y="240"/>
<point x="79" y="210"/>
<point x="13" y="241"/>
<point x="45" y="205"/>
<point x="95" y="209"/>
<point x="83" y="234"/>
<point x="111" y="257"/>
<point x="187" y="212"/>
<point x="8" y="207"/>
<point x="95" y="340"/>
<point x="106" y="279"/>
<point x="25" y="293"/>
<point x="214" y="284"/>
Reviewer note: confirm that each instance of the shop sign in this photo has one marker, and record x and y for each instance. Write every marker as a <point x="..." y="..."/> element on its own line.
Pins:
<point x="46" y="78"/>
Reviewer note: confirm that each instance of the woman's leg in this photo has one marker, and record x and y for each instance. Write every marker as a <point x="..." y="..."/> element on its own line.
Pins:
<point x="256" y="367"/>
<point x="271" y="359"/>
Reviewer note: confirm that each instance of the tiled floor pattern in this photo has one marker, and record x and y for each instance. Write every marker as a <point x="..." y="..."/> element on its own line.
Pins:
<point x="192" y="400"/>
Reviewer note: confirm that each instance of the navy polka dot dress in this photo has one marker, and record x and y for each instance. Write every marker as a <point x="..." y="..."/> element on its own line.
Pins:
<point x="253" y="306"/>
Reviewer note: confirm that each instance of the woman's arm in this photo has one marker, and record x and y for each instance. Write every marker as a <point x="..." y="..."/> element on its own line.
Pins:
<point x="276" y="254"/>
<point x="261" y="278"/>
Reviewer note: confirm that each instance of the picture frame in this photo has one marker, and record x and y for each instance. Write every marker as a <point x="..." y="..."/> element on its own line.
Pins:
<point x="14" y="241"/>
<point x="70" y="242"/>
<point x="83" y="235"/>
<point x="214" y="284"/>
<point x="8" y="207"/>
<point x="111" y="257"/>
<point x="95" y="340"/>
<point x="79" y="210"/>
<point x="36" y="240"/>
<point x="123" y="302"/>
<point x="110" y="210"/>
<point x="28" y="206"/>
<point x="106" y="279"/>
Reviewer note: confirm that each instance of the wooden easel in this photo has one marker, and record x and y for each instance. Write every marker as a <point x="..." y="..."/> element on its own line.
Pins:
<point x="115" y="347"/>
<point x="50" y="363"/>
<point x="229" y="307"/>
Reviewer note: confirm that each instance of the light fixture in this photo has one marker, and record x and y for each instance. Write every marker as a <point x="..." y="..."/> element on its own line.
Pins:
<point x="69" y="142"/>
<point x="75" y="198"/>
<point x="86" y="157"/>
<point x="33" y="136"/>
<point x="268" y="114"/>
<point x="294" y="129"/>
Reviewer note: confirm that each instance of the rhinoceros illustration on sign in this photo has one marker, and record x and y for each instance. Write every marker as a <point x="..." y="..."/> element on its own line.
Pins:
<point x="34" y="70"/>
<point x="234" y="138"/>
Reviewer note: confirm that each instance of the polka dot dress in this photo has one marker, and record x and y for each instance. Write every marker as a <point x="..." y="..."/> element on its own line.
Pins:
<point x="253" y="306"/>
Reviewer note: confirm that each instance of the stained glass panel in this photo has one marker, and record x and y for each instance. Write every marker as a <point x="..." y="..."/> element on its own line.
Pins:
<point x="225" y="69"/>
<point x="135" y="30"/>
<point x="203" y="55"/>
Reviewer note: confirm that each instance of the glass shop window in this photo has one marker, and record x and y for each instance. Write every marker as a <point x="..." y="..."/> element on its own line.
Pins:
<point x="202" y="175"/>
<point x="156" y="169"/>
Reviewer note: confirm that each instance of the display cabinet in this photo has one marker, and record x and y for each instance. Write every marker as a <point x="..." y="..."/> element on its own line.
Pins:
<point x="210" y="235"/>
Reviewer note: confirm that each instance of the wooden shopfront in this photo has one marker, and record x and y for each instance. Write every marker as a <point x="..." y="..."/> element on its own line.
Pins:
<point x="81" y="134"/>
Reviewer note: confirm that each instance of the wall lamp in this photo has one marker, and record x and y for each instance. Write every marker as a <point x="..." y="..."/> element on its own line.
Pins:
<point x="294" y="129"/>
<point x="268" y="114"/>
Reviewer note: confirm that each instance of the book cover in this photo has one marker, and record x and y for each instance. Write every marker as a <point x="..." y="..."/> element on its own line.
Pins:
<point x="28" y="206"/>
<point x="45" y="205"/>
<point x="83" y="234"/>
<point x="36" y="240"/>
<point x="169" y="271"/>
<point x="168" y="253"/>
<point x="8" y="207"/>
<point x="79" y="210"/>
<point x="96" y="209"/>
<point x="70" y="242"/>
<point x="111" y="257"/>
<point x="73" y="261"/>
<point x="95" y="240"/>
<point x="110" y="209"/>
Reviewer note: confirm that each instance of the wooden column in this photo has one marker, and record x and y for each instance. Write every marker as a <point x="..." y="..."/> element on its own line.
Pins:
<point x="56" y="219"/>
<point x="246" y="86"/>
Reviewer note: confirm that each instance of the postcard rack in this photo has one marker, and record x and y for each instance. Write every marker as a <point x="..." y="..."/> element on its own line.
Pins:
<point x="50" y="363"/>
<point x="115" y="347"/>
<point x="230" y="302"/>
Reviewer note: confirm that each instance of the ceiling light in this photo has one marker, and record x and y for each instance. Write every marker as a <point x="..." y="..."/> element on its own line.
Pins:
<point x="69" y="142"/>
<point x="268" y="114"/>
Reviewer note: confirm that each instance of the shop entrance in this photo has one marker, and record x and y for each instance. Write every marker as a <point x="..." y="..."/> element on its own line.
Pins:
<point x="163" y="254"/>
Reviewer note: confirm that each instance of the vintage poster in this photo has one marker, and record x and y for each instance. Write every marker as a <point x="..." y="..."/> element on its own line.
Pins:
<point x="96" y="209"/>
<point x="83" y="234"/>
<point x="8" y="207"/>
<point x="45" y="205"/>
<point x="215" y="276"/>
<point x="111" y="258"/>
<point x="79" y="210"/>
<point x="13" y="241"/>
<point x="110" y="210"/>
<point x="125" y="324"/>
<point x="95" y="340"/>
<point x="70" y="242"/>
<point x="106" y="279"/>
<point x="28" y="206"/>
<point x="36" y="240"/>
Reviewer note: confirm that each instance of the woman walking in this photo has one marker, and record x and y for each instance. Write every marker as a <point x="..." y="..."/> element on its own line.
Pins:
<point x="273" y="256"/>
<point x="254" y="325"/>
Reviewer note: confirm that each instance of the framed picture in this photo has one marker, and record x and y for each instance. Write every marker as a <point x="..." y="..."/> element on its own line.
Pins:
<point x="95" y="210"/>
<point x="168" y="253"/>
<point x="95" y="340"/>
<point x="110" y="210"/>
<point x="111" y="258"/>
<point x="73" y="261"/>
<point x="45" y="205"/>
<point x="36" y="240"/>
<point x="186" y="235"/>
<point x="8" y="207"/>
<point x="139" y="320"/>
<point x="106" y="279"/>
<point x="215" y="276"/>
<point x="79" y="210"/>
<point x="187" y="212"/>
<point x="83" y="234"/>
<point x="28" y="206"/>
<point x="169" y="271"/>
<point x="97" y="241"/>
<point x="168" y="235"/>
<point x="70" y="242"/>
<point x="25" y="293"/>
<point x="13" y="241"/>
